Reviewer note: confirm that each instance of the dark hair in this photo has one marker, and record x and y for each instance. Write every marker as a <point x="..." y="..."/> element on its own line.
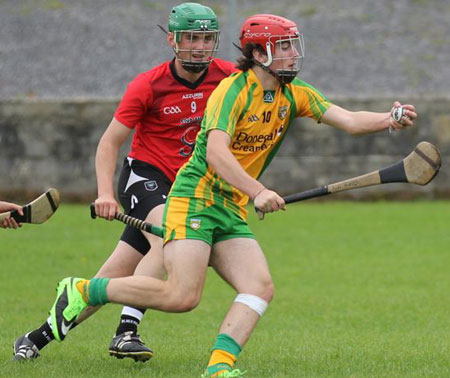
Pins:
<point x="246" y="61"/>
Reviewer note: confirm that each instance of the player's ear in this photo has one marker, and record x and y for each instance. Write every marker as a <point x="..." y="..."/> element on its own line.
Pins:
<point x="259" y="56"/>
<point x="171" y="39"/>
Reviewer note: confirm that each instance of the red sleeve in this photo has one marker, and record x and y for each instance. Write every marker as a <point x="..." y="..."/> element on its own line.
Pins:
<point x="135" y="101"/>
<point x="226" y="66"/>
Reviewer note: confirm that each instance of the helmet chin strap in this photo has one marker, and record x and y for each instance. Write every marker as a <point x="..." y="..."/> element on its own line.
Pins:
<point x="287" y="76"/>
<point x="283" y="76"/>
<point x="194" y="67"/>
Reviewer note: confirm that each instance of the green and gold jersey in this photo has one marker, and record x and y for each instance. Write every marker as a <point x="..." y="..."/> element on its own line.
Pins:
<point x="256" y="121"/>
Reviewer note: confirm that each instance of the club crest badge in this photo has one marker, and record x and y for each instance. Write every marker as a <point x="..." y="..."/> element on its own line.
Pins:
<point x="151" y="186"/>
<point x="195" y="223"/>
<point x="282" y="112"/>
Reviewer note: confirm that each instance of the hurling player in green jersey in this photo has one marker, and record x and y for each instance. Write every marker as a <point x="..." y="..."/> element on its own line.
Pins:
<point x="246" y="119"/>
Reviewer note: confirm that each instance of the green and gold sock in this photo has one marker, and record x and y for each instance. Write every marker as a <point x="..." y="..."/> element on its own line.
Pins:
<point x="224" y="354"/>
<point x="83" y="288"/>
<point x="94" y="291"/>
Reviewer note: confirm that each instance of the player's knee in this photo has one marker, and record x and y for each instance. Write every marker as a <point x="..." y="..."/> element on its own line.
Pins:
<point x="185" y="302"/>
<point x="267" y="290"/>
<point x="264" y="289"/>
<point x="259" y="296"/>
<point x="180" y="299"/>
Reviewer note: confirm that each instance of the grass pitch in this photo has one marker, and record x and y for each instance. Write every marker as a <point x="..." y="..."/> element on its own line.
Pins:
<point x="362" y="290"/>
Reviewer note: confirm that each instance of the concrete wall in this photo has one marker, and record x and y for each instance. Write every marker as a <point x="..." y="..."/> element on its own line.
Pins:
<point x="45" y="143"/>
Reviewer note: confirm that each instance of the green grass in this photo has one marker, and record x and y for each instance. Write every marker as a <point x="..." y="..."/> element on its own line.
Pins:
<point x="362" y="290"/>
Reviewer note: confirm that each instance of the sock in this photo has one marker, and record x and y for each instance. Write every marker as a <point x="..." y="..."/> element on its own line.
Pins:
<point x="42" y="336"/>
<point x="224" y="354"/>
<point x="94" y="291"/>
<point x="130" y="319"/>
<point x="83" y="288"/>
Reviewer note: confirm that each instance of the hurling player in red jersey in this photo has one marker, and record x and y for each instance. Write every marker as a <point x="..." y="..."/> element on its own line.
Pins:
<point x="164" y="106"/>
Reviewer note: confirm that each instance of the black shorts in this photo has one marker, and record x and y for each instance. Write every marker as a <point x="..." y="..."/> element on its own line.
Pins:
<point x="141" y="188"/>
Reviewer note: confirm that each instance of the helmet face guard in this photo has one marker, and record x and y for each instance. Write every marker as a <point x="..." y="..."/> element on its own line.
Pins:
<point x="293" y="47"/>
<point x="209" y="48"/>
<point x="280" y="39"/>
<point x="191" y="24"/>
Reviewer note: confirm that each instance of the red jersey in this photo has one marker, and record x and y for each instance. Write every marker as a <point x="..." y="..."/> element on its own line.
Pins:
<point x="167" y="111"/>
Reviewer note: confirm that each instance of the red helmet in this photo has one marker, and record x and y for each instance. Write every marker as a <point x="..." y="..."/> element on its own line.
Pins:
<point x="266" y="29"/>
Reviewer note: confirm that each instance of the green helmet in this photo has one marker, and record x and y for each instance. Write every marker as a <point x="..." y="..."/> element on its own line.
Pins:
<point x="198" y="20"/>
<point x="192" y="16"/>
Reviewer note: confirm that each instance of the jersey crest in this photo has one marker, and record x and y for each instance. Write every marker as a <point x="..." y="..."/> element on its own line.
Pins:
<point x="282" y="112"/>
<point x="268" y="97"/>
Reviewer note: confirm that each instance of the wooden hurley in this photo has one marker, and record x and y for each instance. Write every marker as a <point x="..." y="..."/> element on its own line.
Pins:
<point x="419" y="167"/>
<point x="37" y="211"/>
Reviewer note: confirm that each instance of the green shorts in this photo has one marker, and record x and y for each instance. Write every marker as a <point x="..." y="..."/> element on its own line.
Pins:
<point x="200" y="219"/>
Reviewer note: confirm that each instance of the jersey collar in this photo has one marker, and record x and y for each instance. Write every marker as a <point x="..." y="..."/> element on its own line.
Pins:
<point x="185" y="82"/>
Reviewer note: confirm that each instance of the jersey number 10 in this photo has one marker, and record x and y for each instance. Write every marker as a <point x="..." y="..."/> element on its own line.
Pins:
<point x="266" y="116"/>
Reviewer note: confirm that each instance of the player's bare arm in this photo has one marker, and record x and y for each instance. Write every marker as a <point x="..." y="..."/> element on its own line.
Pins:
<point x="225" y="164"/>
<point x="106" y="205"/>
<point x="363" y="122"/>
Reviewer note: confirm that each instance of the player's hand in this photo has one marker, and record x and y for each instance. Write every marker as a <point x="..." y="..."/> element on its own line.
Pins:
<point x="10" y="222"/>
<point x="268" y="201"/>
<point x="407" y="115"/>
<point x="106" y="207"/>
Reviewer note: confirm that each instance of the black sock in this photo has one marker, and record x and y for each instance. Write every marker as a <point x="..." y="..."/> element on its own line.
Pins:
<point x="128" y="323"/>
<point x="42" y="336"/>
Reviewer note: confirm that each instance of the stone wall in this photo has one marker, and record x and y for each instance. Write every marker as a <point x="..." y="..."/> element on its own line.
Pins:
<point x="52" y="143"/>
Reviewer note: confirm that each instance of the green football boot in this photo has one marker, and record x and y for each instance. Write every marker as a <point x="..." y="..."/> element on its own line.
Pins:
<point x="68" y="305"/>
<point x="226" y="374"/>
